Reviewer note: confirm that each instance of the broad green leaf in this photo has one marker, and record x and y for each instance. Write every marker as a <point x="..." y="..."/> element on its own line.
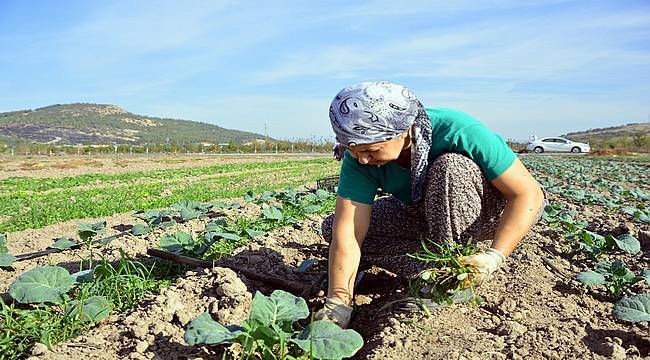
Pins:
<point x="93" y="309"/>
<point x="176" y="242"/>
<point x="6" y="260"/>
<point x="41" y="284"/>
<point x="325" y="340"/>
<point x="254" y="233"/>
<point x="629" y="210"/>
<point x="591" y="278"/>
<point x="272" y="213"/>
<point x="279" y="308"/>
<point x="139" y="229"/>
<point x="312" y="209"/>
<point x="63" y="243"/>
<point x="189" y="214"/>
<point x="87" y="231"/>
<point x="634" y="308"/>
<point x="82" y="276"/>
<point x="231" y="237"/>
<point x="628" y="243"/>
<point x="249" y="196"/>
<point x="204" y="330"/>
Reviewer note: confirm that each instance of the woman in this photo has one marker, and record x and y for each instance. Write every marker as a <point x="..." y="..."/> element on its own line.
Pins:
<point x="451" y="179"/>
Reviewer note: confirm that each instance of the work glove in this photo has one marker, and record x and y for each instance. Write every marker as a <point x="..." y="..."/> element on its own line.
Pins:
<point x="335" y="311"/>
<point x="486" y="262"/>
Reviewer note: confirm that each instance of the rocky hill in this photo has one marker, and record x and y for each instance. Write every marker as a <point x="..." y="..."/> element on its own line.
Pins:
<point x="107" y="124"/>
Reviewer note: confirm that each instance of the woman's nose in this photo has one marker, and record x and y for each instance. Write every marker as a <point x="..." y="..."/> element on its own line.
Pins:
<point x="364" y="159"/>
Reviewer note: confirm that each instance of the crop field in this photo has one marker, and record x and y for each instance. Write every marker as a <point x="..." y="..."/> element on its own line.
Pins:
<point x="224" y="259"/>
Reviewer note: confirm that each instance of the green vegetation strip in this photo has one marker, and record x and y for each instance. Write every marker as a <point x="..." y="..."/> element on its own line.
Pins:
<point x="39" y="210"/>
<point x="42" y="184"/>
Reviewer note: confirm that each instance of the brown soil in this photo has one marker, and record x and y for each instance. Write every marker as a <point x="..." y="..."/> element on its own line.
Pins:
<point x="533" y="308"/>
<point x="62" y="166"/>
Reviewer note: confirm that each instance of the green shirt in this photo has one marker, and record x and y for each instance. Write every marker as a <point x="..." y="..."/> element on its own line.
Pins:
<point x="452" y="131"/>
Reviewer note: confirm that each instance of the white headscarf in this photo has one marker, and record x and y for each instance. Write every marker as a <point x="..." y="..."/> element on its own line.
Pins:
<point x="371" y="112"/>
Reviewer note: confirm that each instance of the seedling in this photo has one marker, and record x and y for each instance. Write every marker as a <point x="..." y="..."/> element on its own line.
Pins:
<point x="635" y="308"/>
<point x="614" y="276"/>
<point x="272" y="331"/>
<point x="448" y="275"/>
<point x="6" y="259"/>
<point x="153" y="218"/>
<point x="595" y="245"/>
<point x="86" y="233"/>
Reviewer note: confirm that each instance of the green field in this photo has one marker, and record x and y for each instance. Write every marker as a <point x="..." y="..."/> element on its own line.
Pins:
<point x="27" y="203"/>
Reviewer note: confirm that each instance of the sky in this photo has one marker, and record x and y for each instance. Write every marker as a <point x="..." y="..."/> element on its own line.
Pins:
<point x="522" y="67"/>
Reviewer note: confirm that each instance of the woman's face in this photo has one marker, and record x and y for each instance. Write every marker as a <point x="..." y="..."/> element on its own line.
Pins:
<point x="378" y="153"/>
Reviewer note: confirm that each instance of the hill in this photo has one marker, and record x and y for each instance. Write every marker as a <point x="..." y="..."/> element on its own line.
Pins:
<point x="630" y="137"/>
<point x="621" y="132"/>
<point x="83" y="123"/>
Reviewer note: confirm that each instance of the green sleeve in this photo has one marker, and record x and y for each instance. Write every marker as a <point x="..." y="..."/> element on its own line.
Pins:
<point x="356" y="183"/>
<point x="487" y="149"/>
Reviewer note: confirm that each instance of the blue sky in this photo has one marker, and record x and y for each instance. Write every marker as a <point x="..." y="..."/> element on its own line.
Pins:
<point x="521" y="67"/>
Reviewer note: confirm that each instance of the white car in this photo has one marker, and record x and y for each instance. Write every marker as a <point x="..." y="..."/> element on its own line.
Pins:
<point x="557" y="144"/>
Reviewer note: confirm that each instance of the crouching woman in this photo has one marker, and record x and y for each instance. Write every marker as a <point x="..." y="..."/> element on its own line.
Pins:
<point x="450" y="178"/>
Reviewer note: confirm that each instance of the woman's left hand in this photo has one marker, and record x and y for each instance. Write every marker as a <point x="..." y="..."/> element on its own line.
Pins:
<point x="486" y="262"/>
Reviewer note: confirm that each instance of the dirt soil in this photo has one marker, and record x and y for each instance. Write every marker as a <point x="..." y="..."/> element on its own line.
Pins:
<point x="41" y="166"/>
<point x="533" y="308"/>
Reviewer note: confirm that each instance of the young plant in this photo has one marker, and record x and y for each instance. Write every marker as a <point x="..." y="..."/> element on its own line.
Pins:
<point x="614" y="276"/>
<point x="272" y="332"/>
<point x="595" y="244"/>
<point x="86" y="233"/>
<point x="447" y="276"/>
<point x="181" y="242"/>
<point x="634" y="309"/>
<point x="153" y="218"/>
<point x="6" y="259"/>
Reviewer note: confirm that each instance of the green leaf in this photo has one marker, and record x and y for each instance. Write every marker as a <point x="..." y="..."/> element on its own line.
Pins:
<point x="82" y="276"/>
<point x="591" y="278"/>
<point x="628" y="243"/>
<point x="87" y="231"/>
<point x="63" y="243"/>
<point x="634" y="308"/>
<point x="231" y="237"/>
<point x="41" y="284"/>
<point x="6" y="260"/>
<point x="312" y="209"/>
<point x="325" y="340"/>
<point x="139" y="229"/>
<point x="176" y="242"/>
<point x="204" y="330"/>
<point x="279" y="308"/>
<point x="93" y="309"/>
<point x="272" y="213"/>
<point x="254" y="233"/>
<point x="629" y="210"/>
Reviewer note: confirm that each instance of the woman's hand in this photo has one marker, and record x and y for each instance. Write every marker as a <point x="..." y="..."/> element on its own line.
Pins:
<point x="486" y="262"/>
<point x="335" y="311"/>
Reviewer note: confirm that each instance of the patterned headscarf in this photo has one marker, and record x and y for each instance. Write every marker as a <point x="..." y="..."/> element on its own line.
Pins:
<point x="371" y="112"/>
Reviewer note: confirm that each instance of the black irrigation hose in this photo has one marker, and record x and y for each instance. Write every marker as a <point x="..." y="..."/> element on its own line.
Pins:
<point x="51" y="250"/>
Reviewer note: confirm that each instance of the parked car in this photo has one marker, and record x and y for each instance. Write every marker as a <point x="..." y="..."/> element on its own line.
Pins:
<point x="557" y="144"/>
